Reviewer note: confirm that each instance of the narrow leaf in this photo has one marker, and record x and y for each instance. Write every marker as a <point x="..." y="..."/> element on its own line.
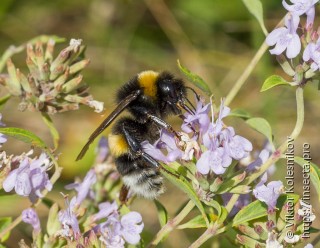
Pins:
<point x="24" y="135"/>
<point x="3" y="100"/>
<point x="240" y="113"/>
<point x="196" y="222"/>
<point x="185" y="186"/>
<point x="254" y="210"/>
<point x="195" y="80"/>
<point x="53" y="224"/>
<point x="262" y="126"/>
<point x="256" y="9"/>
<point x="314" y="172"/>
<point x="4" y="223"/>
<point x="162" y="213"/>
<point x="273" y="81"/>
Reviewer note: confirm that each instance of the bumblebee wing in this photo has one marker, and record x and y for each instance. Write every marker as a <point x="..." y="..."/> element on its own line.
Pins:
<point x="121" y="106"/>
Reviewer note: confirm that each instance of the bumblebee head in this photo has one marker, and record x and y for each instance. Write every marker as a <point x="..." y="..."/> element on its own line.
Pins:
<point x="172" y="94"/>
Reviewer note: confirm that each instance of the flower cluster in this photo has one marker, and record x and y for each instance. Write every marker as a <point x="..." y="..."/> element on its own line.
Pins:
<point x="112" y="229"/>
<point x="213" y="144"/>
<point x="294" y="38"/>
<point x="30" y="177"/>
<point x="52" y="85"/>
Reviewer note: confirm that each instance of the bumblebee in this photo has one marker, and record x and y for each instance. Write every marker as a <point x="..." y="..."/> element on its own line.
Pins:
<point x="149" y="97"/>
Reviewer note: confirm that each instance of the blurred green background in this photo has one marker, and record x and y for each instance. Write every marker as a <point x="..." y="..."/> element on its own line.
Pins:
<point x="213" y="39"/>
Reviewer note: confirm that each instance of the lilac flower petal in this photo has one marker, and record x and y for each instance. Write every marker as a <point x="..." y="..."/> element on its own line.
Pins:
<point x="105" y="209"/>
<point x="274" y="36"/>
<point x="294" y="47"/>
<point x="10" y="181"/>
<point x="23" y="184"/>
<point x="203" y="163"/>
<point x="308" y="51"/>
<point x="153" y="151"/>
<point x="310" y="17"/>
<point x="130" y="228"/>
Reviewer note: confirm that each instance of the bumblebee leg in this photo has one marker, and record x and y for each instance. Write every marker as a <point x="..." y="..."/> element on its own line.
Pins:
<point x="158" y="121"/>
<point x="136" y="148"/>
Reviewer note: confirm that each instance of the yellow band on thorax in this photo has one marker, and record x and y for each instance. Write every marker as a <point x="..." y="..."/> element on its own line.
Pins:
<point x="147" y="80"/>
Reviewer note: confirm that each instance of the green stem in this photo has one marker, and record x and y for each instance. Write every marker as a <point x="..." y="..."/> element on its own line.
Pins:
<point x="242" y="79"/>
<point x="53" y="131"/>
<point x="209" y="233"/>
<point x="167" y="228"/>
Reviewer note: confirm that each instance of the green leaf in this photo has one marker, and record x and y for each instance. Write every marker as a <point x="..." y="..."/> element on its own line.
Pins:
<point x="240" y="113"/>
<point x="262" y="126"/>
<point x="196" y="222"/>
<point x="53" y="224"/>
<point x="256" y="9"/>
<point x="162" y="213"/>
<point x="273" y="81"/>
<point x="3" y="100"/>
<point x="195" y="80"/>
<point x="54" y="133"/>
<point x="314" y="172"/>
<point x="4" y="223"/>
<point x="254" y="210"/>
<point x="24" y="135"/>
<point x="185" y="186"/>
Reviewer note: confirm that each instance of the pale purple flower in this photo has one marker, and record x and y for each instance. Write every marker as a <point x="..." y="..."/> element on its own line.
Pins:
<point x="215" y="160"/>
<point x="69" y="221"/>
<point x="300" y="7"/>
<point x="312" y="53"/>
<point x="238" y="147"/>
<point x="111" y="232"/>
<point x="272" y="241"/>
<point x="286" y="38"/>
<point x="84" y="188"/>
<point x="30" y="178"/>
<point x="166" y="142"/>
<point x="102" y="150"/>
<point x="105" y="209"/>
<point x="131" y="227"/>
<point x="309" y="246"/>
<point x="199" y="121"/>
<point x="30" y="216"/>
<point x="268" y="193"/>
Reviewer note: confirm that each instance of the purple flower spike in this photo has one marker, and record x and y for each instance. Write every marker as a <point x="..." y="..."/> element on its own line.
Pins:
<point x="83" y="188"/>
<point x="131" y="228"/>
<point x="268" y="193"/>
<point x="30" y="216"/>
<point x="286" y="38"/>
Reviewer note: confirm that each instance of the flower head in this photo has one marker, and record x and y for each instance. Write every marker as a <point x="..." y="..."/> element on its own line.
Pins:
<point x="312" y="54"/>
<point x="268" y="193"/>
<point x="69" y="221"/>
<point x="83" y="188"/>
<point x="30" y="216"/>
<point x="105" y="209"/>
<point x="30" y="178"/>
<point x="300" y="7"/>
<point x="286" y="38"/>
<point x="131" y="227"/>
